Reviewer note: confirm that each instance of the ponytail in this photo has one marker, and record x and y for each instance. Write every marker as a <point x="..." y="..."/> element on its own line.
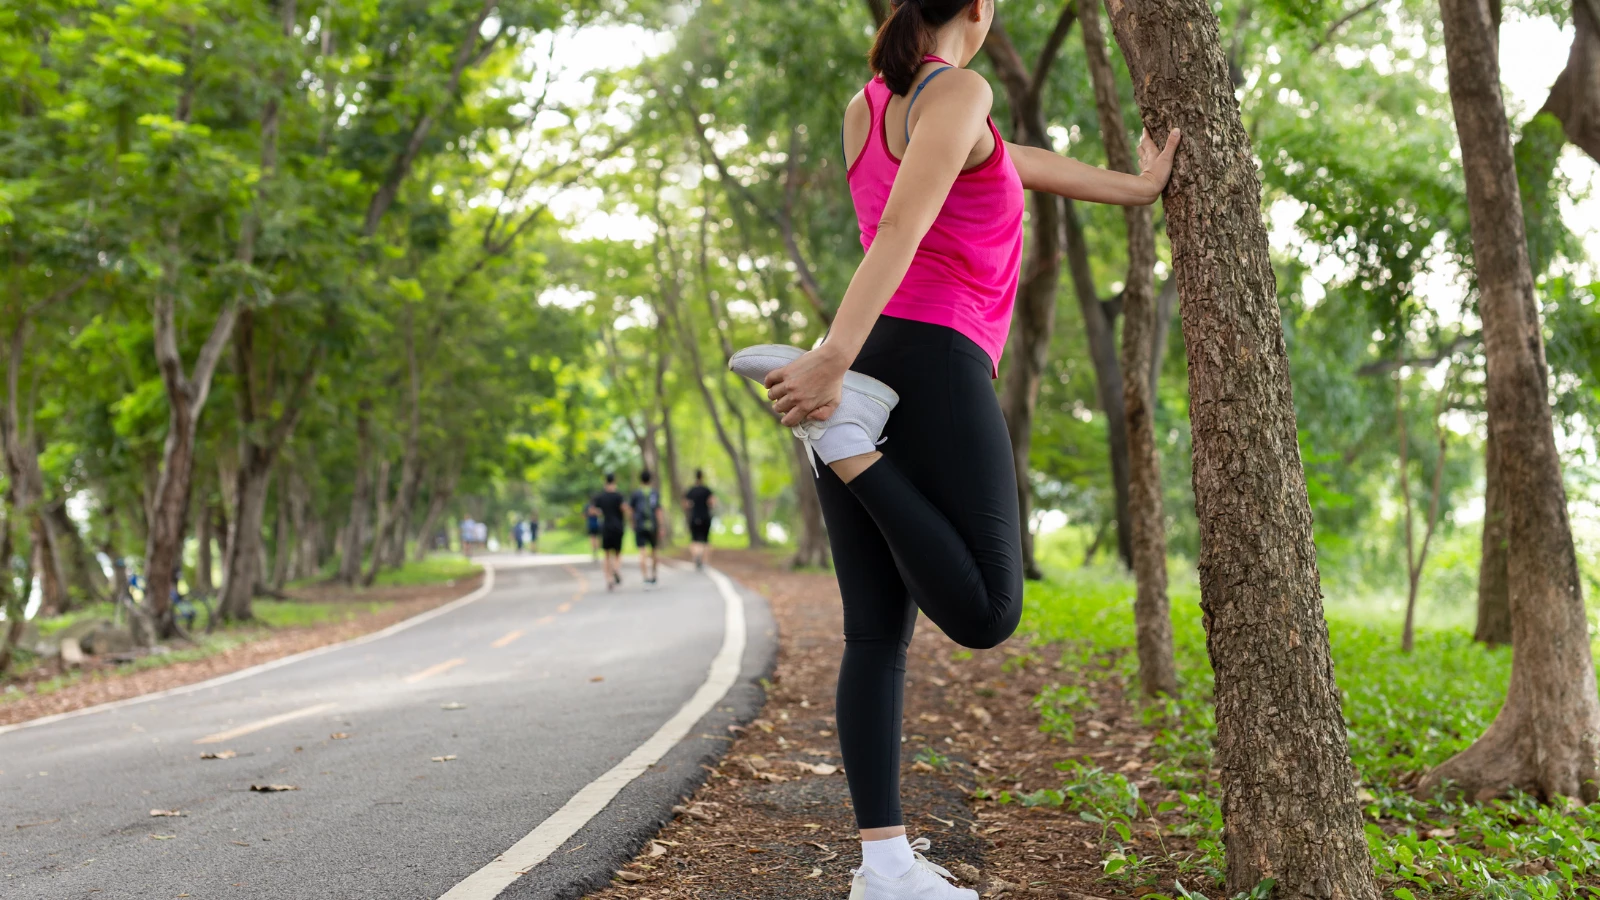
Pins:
<point x="907" y="36"/>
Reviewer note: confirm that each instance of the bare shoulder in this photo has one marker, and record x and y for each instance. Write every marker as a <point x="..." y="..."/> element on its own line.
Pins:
<point x="963" y="89"/>
<point x="858" y="107"/>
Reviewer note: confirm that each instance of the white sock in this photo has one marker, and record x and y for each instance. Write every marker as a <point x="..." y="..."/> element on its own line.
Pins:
<point x="843" y="441"/>
<point x="891" y="858"/>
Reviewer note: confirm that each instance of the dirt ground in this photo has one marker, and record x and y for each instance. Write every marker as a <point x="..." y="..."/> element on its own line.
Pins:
<point x="104" y="681"/>
<point x="774" y="818"/>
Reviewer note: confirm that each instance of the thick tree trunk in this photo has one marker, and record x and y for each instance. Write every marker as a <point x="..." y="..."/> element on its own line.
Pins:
<point x="393" y="552"/>
<point x="27" y="481"/>
<point x="52" y="588"/>
<point x="1494" y="584"/>
<point x="12" y="600"/>
<point x="1546" y="739"/>
<point x="242" y="570"/>
<point x="1289" y="803"/>
<point x="355" y="529"/>
<point x="1158" y="669"/>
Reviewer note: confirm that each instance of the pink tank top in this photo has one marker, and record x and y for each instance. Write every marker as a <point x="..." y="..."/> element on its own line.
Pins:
<point x="967" y="267"/>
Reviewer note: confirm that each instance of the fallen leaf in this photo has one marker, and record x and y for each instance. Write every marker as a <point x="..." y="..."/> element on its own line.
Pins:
<point x="981" y="714"/>
<point x="592" y="681"/>
<point x="453" y="706"/>
<point x="173" y="813"/>
<point x="829" y="858"/>
<point x="1442" y="833"/>
<point x="773" y="777"/>
<point x="444" y="758"/>
<point x="815" y="873"/>
<point x="163" y="837"/>
<point x="273" y="788"/>
<point x="632" y="877"/>
<point x="967" y="872"/>
<point x="819" y="846"/>
<point x="657" y="850"/>
<point x="339" y="736"/>
<point x="220" y="754"/>
<point x="818" y="768"/>
<point x="920" y="766"/>
<point x="239" y="843"/>
<point x="1132" y="765"/>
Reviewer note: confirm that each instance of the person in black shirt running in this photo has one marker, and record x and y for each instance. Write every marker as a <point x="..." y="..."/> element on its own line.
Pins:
<point x="611" y="508"/>
<point x="645" y="506"/>
<point x="698" y="502"/>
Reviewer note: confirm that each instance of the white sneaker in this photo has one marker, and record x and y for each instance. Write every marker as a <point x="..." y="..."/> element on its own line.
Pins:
<point x="925" y="881"/>
<point x="865" y="404"/>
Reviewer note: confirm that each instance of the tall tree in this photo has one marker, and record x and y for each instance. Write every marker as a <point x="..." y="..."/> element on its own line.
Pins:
<point x="1546" y="738"/>
<point x="1054" y="227"/>
<point x="1158" y="670"/>
<point x="1289" y="800"/>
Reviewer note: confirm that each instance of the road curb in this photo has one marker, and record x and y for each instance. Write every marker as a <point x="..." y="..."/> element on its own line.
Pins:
<point x="587" y="861"/>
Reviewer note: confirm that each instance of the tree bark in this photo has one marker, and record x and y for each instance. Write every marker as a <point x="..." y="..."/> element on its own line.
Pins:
<point x="439" y="497"/>
<point x="1035" y="316"/>
<point x="1289" y="803"/>
<point x="1099" y="332"/>
<point x="355" y="537"/>
<point x="282" y="534"/>
<point x="1158" y="669"/>
<point x="383" y="515"/>
<point x="811" y="549"/>
<point x="26" y="480"/>
<point x="1575" y="97"/>
<point x="393" y="552"/>
<point x="204" y="580"/>
<point x="1546" y="738"/>
<point x="1494" y="583"/>
<point x="83" y="570"/>
<point x="242" y="572"/>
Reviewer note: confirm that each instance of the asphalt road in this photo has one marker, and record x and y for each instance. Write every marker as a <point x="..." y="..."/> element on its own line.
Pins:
<point x="527" y="695"/>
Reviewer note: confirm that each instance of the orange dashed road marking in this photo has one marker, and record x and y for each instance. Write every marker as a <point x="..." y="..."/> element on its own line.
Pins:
<point x="431" y="671"/>
<point x="507" y="639"/>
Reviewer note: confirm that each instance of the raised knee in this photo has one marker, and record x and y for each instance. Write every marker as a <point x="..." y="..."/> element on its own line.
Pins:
<point x="987" y="639"/>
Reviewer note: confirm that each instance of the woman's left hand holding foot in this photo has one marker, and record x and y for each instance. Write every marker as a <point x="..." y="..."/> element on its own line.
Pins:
<point x="810" y="387"/>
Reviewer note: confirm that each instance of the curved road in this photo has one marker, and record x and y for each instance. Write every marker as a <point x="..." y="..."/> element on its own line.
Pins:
<point x="528" y="693"/>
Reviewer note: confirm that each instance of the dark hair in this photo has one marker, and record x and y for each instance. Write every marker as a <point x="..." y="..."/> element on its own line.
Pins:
<point x="611" y="478"/>
<point x="644" y="476"/>
<point x="699" y="475"/>
<point x="907" y="36"/>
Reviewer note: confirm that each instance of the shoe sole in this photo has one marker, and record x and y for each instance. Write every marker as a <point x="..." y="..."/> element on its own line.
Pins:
<point x="855" y="381"/>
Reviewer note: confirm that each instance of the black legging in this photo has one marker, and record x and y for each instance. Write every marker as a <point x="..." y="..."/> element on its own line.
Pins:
<point x="933" y="524"/>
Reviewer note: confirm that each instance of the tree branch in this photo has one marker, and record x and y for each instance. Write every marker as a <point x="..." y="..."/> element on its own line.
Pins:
<point x="1344" y="20"/>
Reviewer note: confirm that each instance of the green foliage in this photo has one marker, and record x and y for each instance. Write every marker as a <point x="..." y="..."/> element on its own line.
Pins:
<point x="1404" y="714"/>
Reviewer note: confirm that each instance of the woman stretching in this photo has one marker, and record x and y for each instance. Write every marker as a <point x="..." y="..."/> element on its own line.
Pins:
<point x="931" y="520"/>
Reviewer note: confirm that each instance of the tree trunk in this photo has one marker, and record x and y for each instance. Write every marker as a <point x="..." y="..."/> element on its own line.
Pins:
<point x="1289" y="803"/>
<point x="27" y="481"/>
<point x="242" y="569"/>
<point x="811" y="550"/>
<point x="282" y="534"/>
<point x="12" y="600"/>
<point x="1035" y="320"/>
<point x="384" y="513"/>
<point x="393" y="554"/>
<point x="1575" y="97"/>
<point x="83" y="570"/>
<point x="52" y="589"/>
<point x="1494" y="585"/>
<point x="1158" y="669"/>
<point x="355" y="537"/>
<point x="1546" y="738"/>
<point x="438" y="498"/>
<point x="204" y="581"/>
<point x="1099" y="332"/>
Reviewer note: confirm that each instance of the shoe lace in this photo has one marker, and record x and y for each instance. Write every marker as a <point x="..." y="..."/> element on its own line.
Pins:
<point x="809" y="432"/>
<point x="921" y="844"/>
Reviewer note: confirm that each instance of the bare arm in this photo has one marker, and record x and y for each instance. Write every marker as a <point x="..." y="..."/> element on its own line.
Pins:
<point x="1042" y="170"/>
<point x="954" y="121"/>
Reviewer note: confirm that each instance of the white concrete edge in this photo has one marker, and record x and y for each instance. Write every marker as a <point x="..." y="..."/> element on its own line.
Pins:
<point x="489" y="881"/>
<point x="396" y="628"/>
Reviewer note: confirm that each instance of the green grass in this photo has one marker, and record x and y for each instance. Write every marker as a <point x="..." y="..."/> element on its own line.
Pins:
<point x="1405" y="714"/>
<point x="439" y="568"/>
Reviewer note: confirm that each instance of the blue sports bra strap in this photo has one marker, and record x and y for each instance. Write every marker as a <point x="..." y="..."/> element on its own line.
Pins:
<point x="918" y="93"/>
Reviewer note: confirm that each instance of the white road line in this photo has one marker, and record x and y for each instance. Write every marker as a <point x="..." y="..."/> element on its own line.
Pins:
<point x="396" y="628"/>
<point x="489" y="881"/>
<point x="253" y="727"/>
<point x="431" y="671"/>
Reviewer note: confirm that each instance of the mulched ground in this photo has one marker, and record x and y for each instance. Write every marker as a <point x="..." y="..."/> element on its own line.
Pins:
<point x="104" y="682"/>
<point x="774" y="818"/>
